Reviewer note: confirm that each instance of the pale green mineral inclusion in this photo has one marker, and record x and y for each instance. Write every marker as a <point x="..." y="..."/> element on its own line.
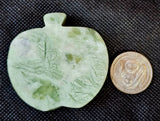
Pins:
<point x="57" y="66"/>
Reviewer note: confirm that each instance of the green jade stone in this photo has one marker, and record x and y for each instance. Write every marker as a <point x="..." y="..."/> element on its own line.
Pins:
<point x="57" y="66"/>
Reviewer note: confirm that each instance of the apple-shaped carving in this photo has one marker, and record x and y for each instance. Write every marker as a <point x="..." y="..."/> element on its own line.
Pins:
<point x="57" y="66"/>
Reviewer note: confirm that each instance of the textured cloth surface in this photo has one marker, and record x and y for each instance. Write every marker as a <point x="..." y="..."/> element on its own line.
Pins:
<point x="125" y="25"/>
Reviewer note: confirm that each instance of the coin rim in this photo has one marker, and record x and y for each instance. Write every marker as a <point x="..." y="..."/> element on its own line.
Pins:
<point x="112" y="69"/>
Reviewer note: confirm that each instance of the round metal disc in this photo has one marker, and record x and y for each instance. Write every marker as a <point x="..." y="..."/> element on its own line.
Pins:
<point x="131" y="72"/>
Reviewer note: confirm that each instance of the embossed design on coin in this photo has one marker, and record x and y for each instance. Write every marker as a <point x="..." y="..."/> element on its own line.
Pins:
<point x="131" y="72"/>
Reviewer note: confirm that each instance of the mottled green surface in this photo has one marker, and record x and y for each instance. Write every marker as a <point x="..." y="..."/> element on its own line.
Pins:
<point x="57" y="66"/>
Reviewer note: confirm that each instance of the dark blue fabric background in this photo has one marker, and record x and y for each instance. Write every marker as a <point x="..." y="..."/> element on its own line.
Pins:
<point x="124" y="25"/>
